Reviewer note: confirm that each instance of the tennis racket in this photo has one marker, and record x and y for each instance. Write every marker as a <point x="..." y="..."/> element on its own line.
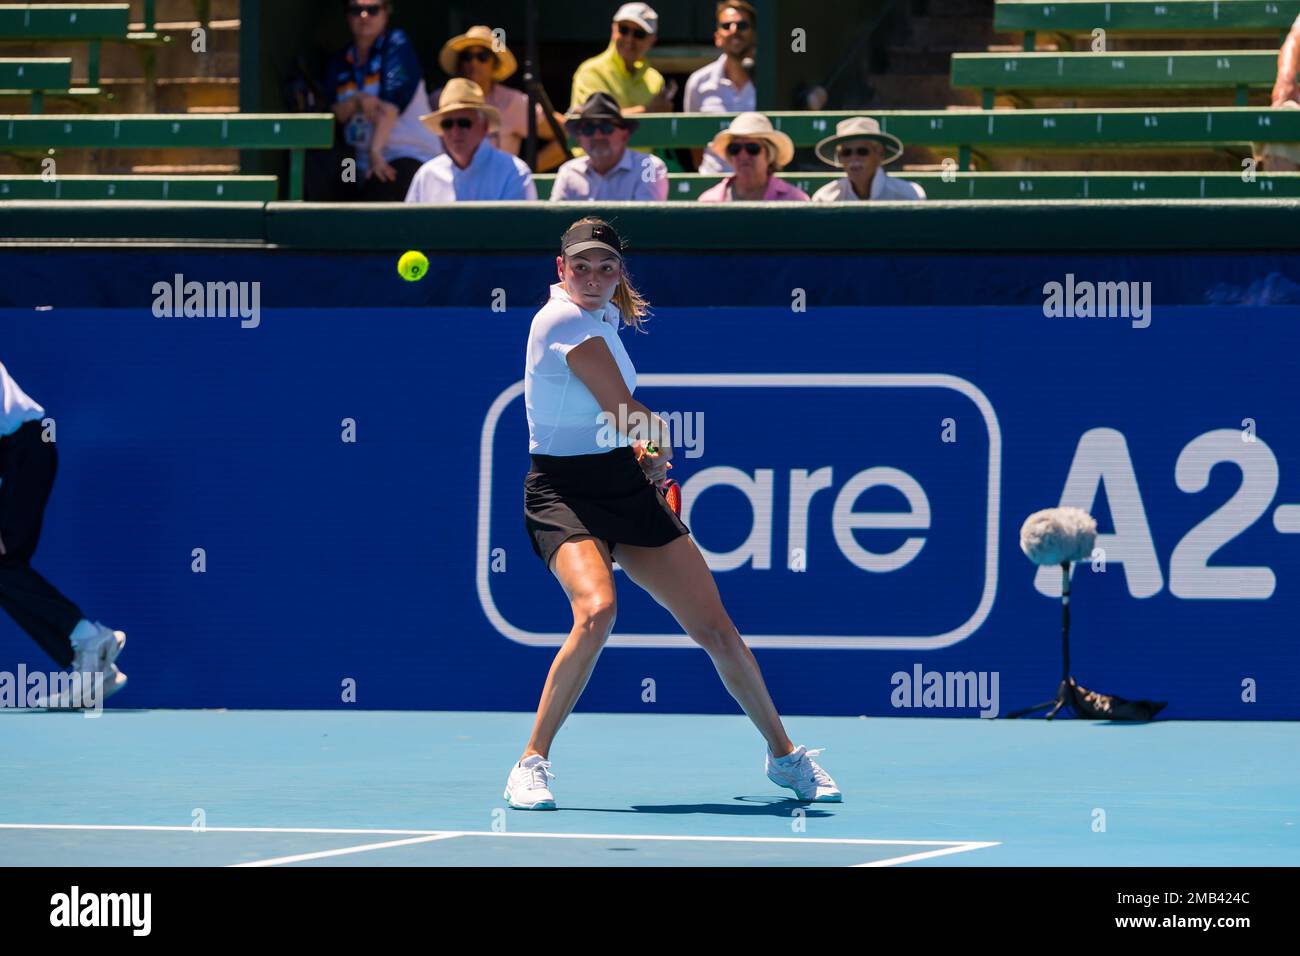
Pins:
<point x="671" y="491"/>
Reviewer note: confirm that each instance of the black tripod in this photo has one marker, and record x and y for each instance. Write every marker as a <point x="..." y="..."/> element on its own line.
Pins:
<point x="1064" y="694"/>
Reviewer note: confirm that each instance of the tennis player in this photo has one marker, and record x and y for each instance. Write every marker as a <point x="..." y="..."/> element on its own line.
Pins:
<point x="586" y="503"/>
<point x="27" y="467"/>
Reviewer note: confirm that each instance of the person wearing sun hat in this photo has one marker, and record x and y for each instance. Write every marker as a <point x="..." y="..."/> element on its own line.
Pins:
<point x="861" y="148"/>
<point x="479" y="55"/>
<point x="608" y="170"/>
<point x="756" y="151"/>
<point x="471" y="168"/>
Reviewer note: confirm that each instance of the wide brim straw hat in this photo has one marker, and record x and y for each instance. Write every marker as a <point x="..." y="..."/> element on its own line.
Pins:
<point x="478" y="36"/>
<point x="461" y="94"/>
<point x="858" y="127"/>
<point x="755" y="126"/>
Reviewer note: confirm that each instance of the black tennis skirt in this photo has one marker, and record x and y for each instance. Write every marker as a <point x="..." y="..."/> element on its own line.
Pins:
<point x="606" y="495"/>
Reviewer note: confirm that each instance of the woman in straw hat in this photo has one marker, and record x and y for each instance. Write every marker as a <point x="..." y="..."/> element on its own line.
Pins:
<point x="861" y="149"/>
<point x="591" y="496"/>
<point x="480" y="54"/>
<point x="756" y="151"/>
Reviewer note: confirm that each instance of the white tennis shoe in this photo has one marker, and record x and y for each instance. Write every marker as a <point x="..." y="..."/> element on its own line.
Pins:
<point x="529" y="785"/>
<point x="92" y="654"/>
<point x="99" y="650"/>
<point x="800" y="773"/>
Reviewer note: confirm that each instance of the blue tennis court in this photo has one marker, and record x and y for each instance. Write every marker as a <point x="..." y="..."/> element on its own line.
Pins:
<point x="385" y="788"/>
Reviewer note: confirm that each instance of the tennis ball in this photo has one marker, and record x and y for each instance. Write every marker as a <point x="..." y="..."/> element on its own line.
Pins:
<point x="412" y="266"/>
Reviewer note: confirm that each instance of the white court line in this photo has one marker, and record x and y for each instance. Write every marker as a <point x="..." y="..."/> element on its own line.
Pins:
<point x="343" y="851"/>
<point x="894" y="861"/>
<point x="945" y="847"/>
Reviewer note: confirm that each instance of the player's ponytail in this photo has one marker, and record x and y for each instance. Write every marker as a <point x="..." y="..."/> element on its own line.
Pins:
<point x="631" y="304"/>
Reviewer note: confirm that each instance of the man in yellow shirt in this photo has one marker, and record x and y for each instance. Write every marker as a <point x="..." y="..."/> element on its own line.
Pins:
<point x="621" y="71"/>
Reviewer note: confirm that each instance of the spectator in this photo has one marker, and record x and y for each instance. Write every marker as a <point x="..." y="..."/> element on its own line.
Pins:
<point x="725" y="85"/>
<point x="608" y="170"/>
<point x="371" y="86"/>
<point x="859" y="148"/>
<point x="470" y="168"/>
<point x="621" y="71"/>
<point x="478" y="55"/>
<point x="757" y="151"/>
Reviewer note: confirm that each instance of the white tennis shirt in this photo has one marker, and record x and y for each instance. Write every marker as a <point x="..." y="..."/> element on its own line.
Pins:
<point x="563" y="415"/>
<point x="15" y="407"/>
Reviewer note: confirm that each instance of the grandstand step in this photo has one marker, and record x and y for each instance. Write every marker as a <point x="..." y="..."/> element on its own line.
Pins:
<point x="171" y="10"/>
<point x="178" y="59"/>
<point x="175" y="95"/>
<point x="198" y="169"/>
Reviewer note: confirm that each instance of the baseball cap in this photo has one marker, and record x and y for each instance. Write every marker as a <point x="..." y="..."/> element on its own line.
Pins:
<point x="591" y="235"/>
<point x="642" y="14"/>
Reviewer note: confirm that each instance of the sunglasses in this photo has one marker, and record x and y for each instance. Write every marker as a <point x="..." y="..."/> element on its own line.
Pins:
<point x="625" y="30"/>
<point x="733" y="149"/>
<point x="483" y="56"/>
<point x="854" y="151"/>
<point x="365" y="9"/>
<point x="591" y="128"/>
<point x="463" y="123"/>
<point x="740" y="26"/>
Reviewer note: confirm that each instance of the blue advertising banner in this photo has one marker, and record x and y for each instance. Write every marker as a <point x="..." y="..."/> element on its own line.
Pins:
<point x="332" y="495"/>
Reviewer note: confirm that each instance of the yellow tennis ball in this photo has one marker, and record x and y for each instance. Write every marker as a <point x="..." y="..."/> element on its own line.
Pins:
<point x="412" y="266"/>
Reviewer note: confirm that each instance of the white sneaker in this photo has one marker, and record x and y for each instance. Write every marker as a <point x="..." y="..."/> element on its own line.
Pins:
<point x="529" y="785"/>
<point x="97" y="652"/>
<point x="92" y="655"/>
<point x="803" y="776"/>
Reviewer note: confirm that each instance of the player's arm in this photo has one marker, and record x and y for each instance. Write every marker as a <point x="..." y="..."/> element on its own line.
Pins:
<point x="1287" y="62"/>
<point x="596" y="368"/>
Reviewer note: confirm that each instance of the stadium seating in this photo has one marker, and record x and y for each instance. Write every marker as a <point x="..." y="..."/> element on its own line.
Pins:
<point x="188" y="188"/>
<point x="1070" y="74"/>
<point x="92" y="23"/>
<point x="295" y="132"/>
<point x="1018" y="131"/>
<point x="1026" y="186"/>
<point x="1141" y="18"/>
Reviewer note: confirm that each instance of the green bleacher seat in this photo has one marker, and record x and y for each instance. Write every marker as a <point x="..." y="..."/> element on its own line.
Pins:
<point x="687" y="187"/>
<point x="34" y="78"/>
<point x="194" y="188"/>
<point x="1174" y="128"/>
<point x="63" y="22"/>
<point x="1244" y="18"/>
<point x="295" y="132"/>
<point x="1065" y="74"/>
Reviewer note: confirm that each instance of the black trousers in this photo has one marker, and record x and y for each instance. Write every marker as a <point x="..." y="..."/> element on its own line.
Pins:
<point x="27" y="466"/>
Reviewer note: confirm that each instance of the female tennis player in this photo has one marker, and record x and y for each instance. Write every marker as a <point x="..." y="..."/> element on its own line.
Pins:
<point x="586" y="502"/>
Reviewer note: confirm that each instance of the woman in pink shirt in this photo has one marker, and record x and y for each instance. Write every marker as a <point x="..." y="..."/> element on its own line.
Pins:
<point x="755" y="151"/>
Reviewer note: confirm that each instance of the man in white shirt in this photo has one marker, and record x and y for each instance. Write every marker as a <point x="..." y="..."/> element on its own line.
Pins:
<point x="471" y="168"/>
<point x="861" y="149"/>
<point x="725" y="85"/>
<point x="608" y="171"/>
<point x="28" y="462"/>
